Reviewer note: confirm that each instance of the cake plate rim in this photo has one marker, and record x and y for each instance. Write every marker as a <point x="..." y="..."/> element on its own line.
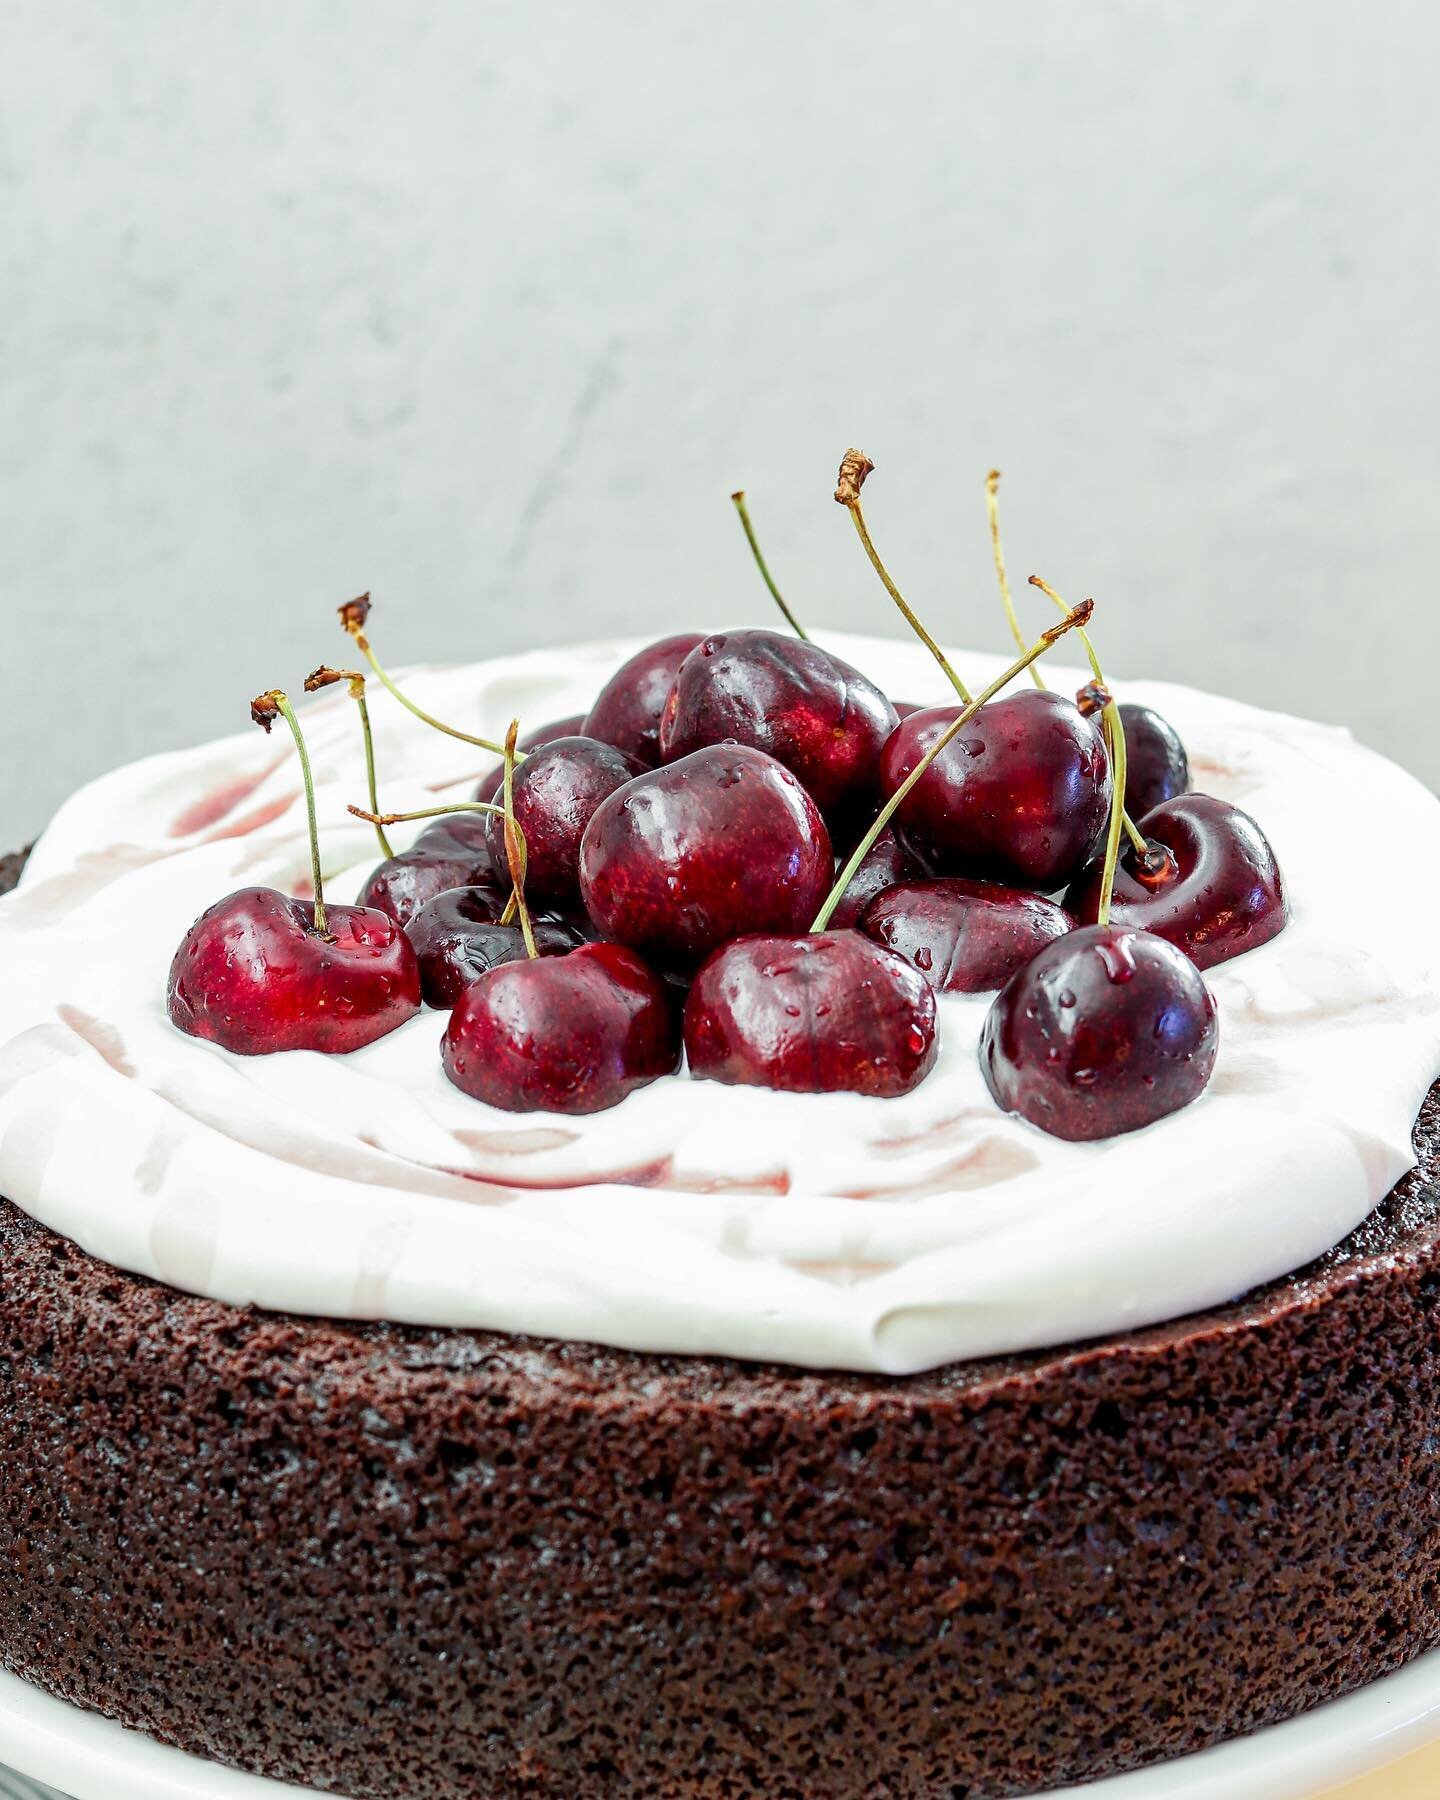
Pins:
<point x="86" y="1756"/>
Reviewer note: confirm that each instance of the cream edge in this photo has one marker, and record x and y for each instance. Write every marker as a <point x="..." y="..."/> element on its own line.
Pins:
<point x="825" y="1230"/>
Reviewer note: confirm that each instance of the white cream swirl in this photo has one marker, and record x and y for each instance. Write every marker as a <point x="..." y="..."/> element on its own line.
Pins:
<point x="824" y="1230"/>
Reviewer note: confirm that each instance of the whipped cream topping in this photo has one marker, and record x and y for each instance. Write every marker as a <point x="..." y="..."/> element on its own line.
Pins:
<point x="826" y="1230"/>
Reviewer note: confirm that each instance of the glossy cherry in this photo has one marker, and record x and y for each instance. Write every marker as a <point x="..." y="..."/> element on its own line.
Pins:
<point x="489" y="788"/>
<point x="262" y="971"/>
<point x="721" y="842"/>
<point x="254" y="974"/>
<point x="1211" y="886"/>
<point x="886" y="862"/>
<point x="965" y="937"/>
<point x="457" y="937"/>
<point x="1106" y="1030"/>
<point x="821" y="1013"/>
<point x="786" y="696"/>
<point x="1157" y="768"/>
<point x="627" y="709"/>
<point x="570" y="1034"/>
<point x="453" y="852"/>
<point x="556" y="791"/>
<point x="1021" y="795"/>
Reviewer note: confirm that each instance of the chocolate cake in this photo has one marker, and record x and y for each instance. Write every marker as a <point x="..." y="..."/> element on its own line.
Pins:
<point x="392" y="1561"/>
<point x="730" y="1358"/>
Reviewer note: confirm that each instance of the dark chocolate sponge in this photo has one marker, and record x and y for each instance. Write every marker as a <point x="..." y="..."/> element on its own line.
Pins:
<point x="10" y="866"/>
<point x="412" y="1564"/>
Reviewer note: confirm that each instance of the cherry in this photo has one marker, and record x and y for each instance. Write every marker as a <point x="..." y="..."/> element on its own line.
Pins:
<point x="261" y="971"/>
<point x="1104" y="1031"/>
<point x="886" y="862"/>
<point x="453" y="852"/>
<point x="806" y="708"/>
<point x="1210" y="884"/>
<point x="1157" y="768"/>
<point x="458" y="937"/>
<point x="627" y="709"/>
<point x="557" y="790"/>
<point x="965" y="937"/>
<point x="1019" y="795"/>
<point x="1108" y="1028"/>
<point x="822" y="1013"/>
<point x="721" y="842"/>
<point x="489" y="788"/>
<point x="571" y="1034"/>
<point x="256" y="973"/>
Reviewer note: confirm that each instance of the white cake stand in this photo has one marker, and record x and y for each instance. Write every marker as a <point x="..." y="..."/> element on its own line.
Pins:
<point x="85" y="1757"/>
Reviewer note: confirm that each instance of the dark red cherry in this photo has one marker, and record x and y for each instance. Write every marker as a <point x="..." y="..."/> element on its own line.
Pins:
<point x="252" y="974"/>
<point x="452" y="852"/>
<point x="1102" y="1032"/>
<point x="572" y="1034"/>
<point x="798" y="703"/>
<point x="489" y="788"/>
<point x="723" y="841"/>
<point x="556" y="791"/>
<point x="457" y="938"/>
<point x="886" y="862"/>
<point x="627" y="709"/>
<point x="814" y="1014"/>
<point x="1156" y="766"/>
<point x="1021" y="795"/>
<point x="965" y="937"/>
<point x="1211" y="885"/>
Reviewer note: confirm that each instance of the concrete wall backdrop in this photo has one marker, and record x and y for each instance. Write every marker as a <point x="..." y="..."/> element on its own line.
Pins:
<point x="488" y="305"/>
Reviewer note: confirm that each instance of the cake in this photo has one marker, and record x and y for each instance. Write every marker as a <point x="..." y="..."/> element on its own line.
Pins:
<point x="723" y="1442"/>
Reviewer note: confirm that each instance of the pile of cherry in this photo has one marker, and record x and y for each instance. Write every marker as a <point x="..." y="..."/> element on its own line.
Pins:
<point x="746" y="853"/>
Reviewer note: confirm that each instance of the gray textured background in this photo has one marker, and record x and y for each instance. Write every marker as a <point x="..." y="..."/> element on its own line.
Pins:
<point x="488" y="305"/>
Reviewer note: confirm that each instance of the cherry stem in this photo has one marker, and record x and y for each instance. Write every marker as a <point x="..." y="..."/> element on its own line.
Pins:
<point x="992" y="509"/>
<point x="427" y="812"/>
<point x="1085" y="638"/>
<point x="739" y="498"/>
<point x="515" y="844"/>
<point x="1115" y="734"/>
<point x="1074" y="620"/>
<point x="362" y="644"/>
<point x="324" y="677"/>
<point x="1112" y="720"/>
<point x="853" y="471"/>
<point x="263" y="712"/>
